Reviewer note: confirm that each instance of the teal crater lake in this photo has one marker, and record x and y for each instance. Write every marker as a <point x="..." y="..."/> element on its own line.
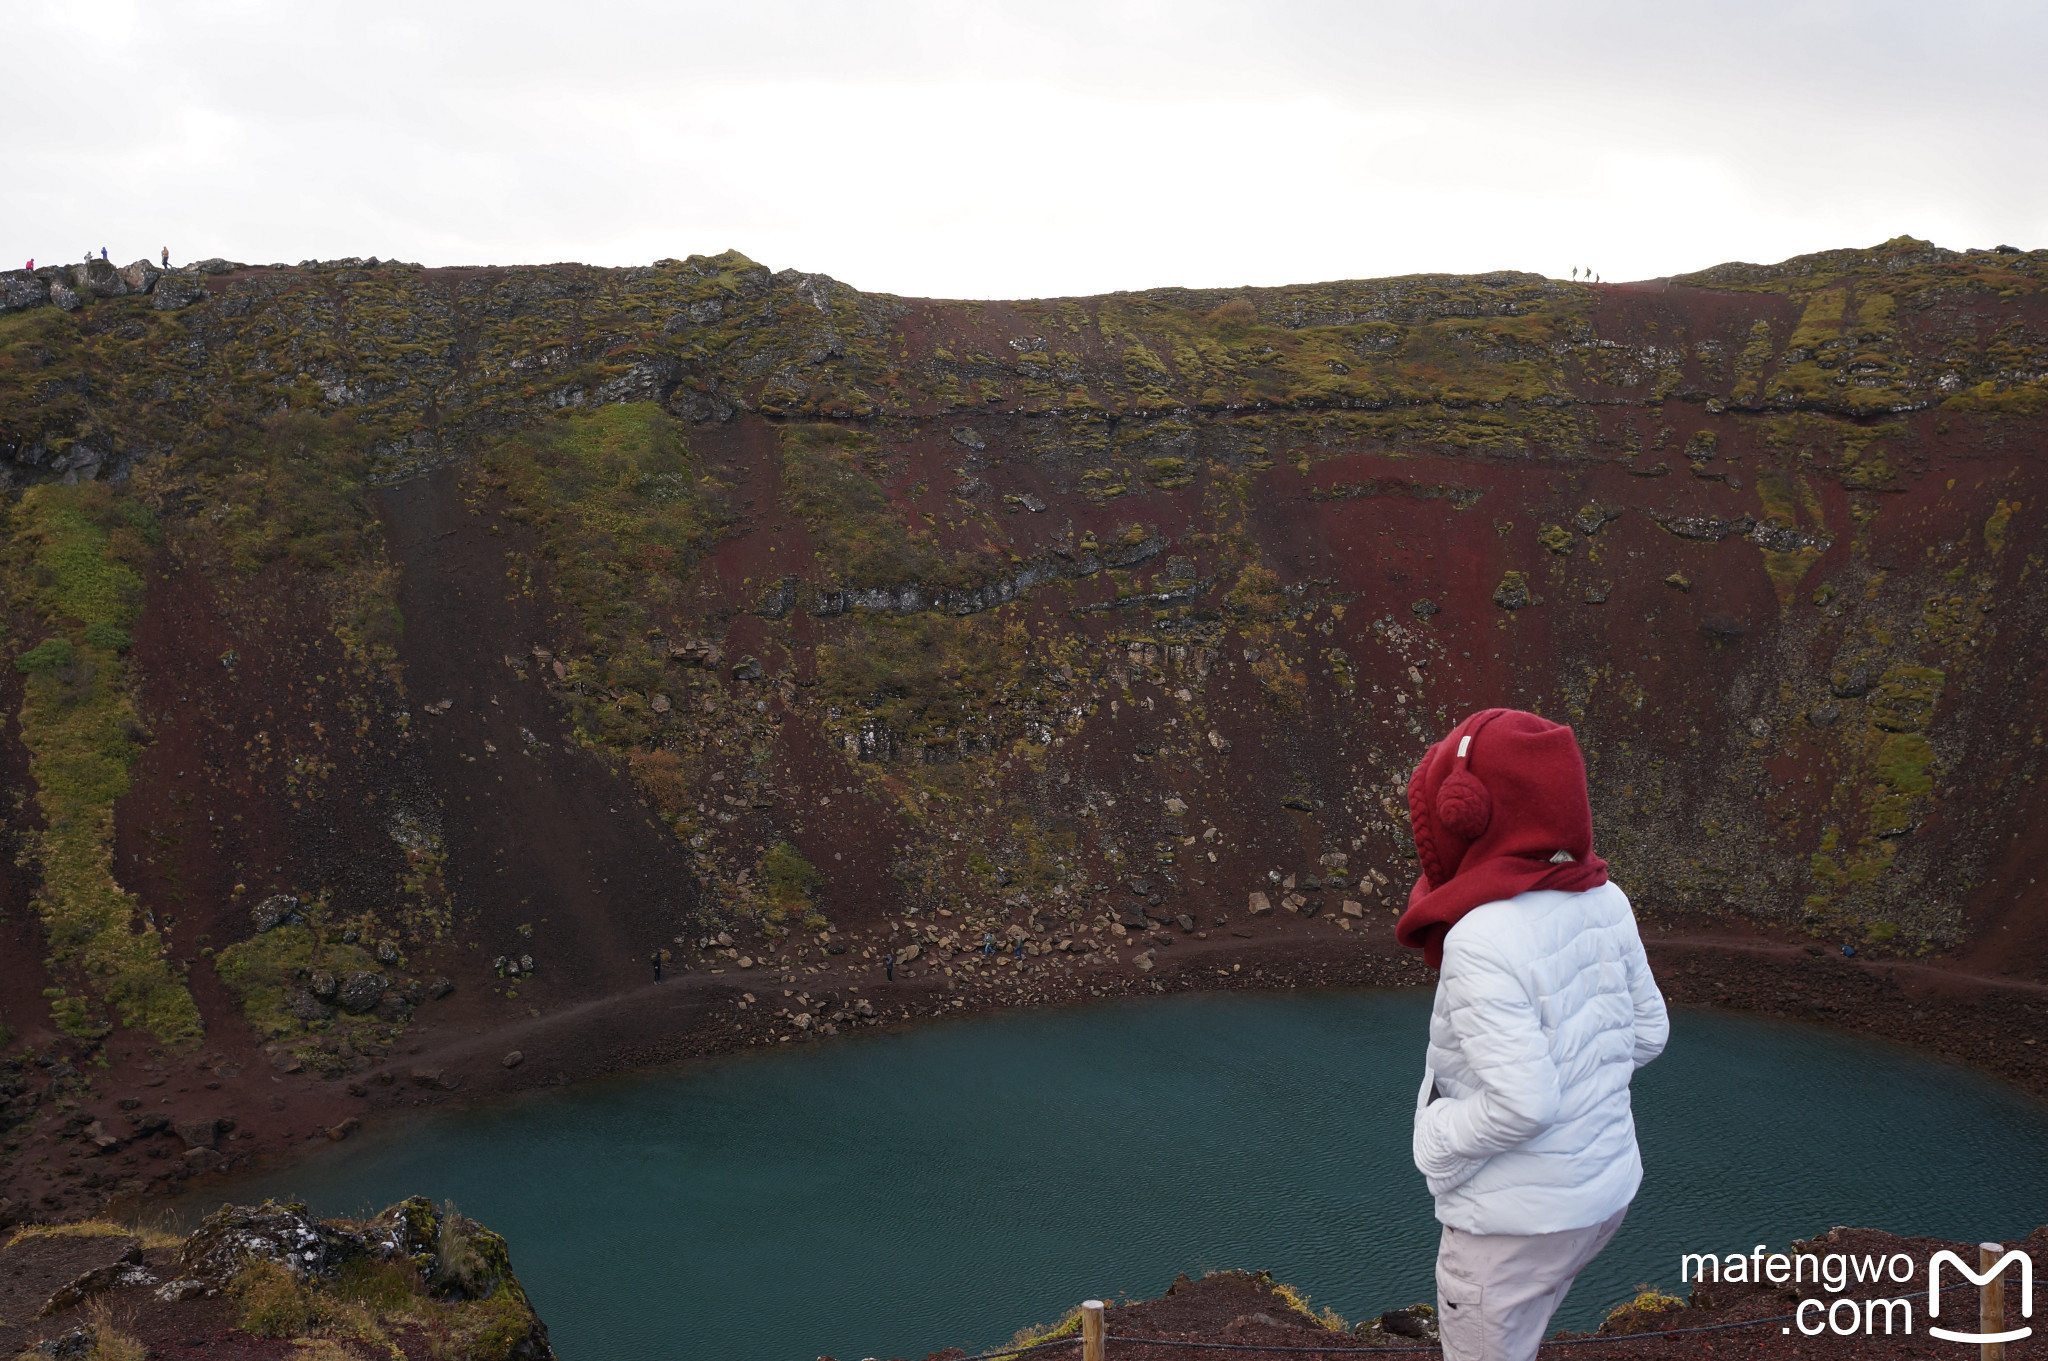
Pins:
<point x="889" y="1194"/>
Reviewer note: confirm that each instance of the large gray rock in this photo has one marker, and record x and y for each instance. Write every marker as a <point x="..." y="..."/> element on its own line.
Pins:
<point x="20" y="290"/>
<point x="235" y="1235"/>
<point x="63" y="297"/>
<point x="215" y="265"/>
<point x="279" y="909"/>
<point x="141" y="276"/>
<point x="98" y="279"/>
<point x="360" y="991"/>
<point x="174" y="291"/>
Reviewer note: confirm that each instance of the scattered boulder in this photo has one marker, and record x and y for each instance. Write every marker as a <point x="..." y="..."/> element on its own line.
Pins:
<point x="1260" y="905"/>
<point x="175" y="291"/>
<point x="78" y="1344"/>
<point x="93" y="1282"/>
<point x="513" y="1059"/>
<point x="62" y="296"/>
<point x="969" y="437"/>
<point x="1590" y="519"/>
<point x="361" y="991"/>
<point x="439" y="988"/>
<point x="235" y="1235"/>
<point x="1678" y="581"/>
<point x="1852" y="678"/>
<point x="141" y="276"/>
<point x="279" y="909"/>
<point x="1513" y="592"/>
<point x="697" y="652"/>
<point x="186" y="1288"/>
<point x="198" y="1133"/>
<point x="1418" y="1321"/>
<point x="1218" y="740"/>
<point x="1353" y="909"/>
<point x="307" y="1007"/>
<point x="341" y="1131"/>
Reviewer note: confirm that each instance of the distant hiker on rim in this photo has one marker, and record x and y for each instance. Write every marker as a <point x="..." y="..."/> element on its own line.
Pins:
<point x="167" y="257"/>
<point x="1544" y="1010"/>
<point x="889" y="966"/>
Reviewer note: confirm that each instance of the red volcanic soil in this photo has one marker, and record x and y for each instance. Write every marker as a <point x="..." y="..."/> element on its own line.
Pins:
<point x="1235" y="1313"/>
<point x="552" y="852"/>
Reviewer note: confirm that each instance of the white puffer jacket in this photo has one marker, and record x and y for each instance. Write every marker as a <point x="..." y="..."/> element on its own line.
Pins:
<point x="1544" y="1010"/>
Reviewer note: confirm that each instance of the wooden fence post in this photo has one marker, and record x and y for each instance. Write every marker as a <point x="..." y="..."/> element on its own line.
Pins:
<point x="1091" y="1330"/>
<point x="1991" y="1300"/>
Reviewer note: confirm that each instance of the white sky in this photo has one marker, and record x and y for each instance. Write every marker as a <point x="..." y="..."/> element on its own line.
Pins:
<point x="1037" y="148"/>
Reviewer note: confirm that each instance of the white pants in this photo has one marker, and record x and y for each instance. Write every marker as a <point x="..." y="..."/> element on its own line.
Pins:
<point x="1495" y="1292"/>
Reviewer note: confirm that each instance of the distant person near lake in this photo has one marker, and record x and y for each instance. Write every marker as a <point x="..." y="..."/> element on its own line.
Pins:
<point x="1545" y="1008"/>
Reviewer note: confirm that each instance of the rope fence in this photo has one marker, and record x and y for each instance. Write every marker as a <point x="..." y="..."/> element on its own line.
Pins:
<point x="1094" y="1338"/>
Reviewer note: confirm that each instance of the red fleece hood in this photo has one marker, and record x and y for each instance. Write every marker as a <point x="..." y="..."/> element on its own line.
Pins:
<point x="1492" y="805"/>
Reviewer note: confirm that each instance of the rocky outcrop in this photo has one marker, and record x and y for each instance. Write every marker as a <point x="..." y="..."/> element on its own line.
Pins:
<point x="277" y="1264"/>
<point x="20" y="290"/>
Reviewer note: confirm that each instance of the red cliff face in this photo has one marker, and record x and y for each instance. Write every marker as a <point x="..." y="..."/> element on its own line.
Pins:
<point x="503" y="627"/>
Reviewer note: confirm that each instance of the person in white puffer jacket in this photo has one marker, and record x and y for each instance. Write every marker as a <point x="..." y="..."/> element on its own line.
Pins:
<point x="1545" y="1007"/>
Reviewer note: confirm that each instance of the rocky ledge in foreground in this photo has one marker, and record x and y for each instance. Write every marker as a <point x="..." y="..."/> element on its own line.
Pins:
<point x="1249" y="1310"/>
<point x="269" y="1281"/>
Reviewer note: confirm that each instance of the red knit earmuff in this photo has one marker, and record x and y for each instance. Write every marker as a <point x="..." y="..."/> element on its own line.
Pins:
<point x="1463" y="806"/>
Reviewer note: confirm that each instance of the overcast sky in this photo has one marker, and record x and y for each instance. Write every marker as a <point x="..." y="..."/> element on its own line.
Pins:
<point x="1023" y="149"/>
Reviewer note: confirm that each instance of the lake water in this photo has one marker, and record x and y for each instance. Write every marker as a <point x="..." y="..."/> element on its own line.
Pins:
<point x="889" y="1194"/>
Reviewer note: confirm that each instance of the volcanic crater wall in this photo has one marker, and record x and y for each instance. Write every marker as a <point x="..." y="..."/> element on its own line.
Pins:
<point x="502" y="626"/>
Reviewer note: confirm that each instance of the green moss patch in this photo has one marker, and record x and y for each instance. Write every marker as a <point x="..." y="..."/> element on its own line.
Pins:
<point x="79" y="724"/>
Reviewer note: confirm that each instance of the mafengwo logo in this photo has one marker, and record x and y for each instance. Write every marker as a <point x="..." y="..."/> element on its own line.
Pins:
<point x="1854" y="1311"/>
